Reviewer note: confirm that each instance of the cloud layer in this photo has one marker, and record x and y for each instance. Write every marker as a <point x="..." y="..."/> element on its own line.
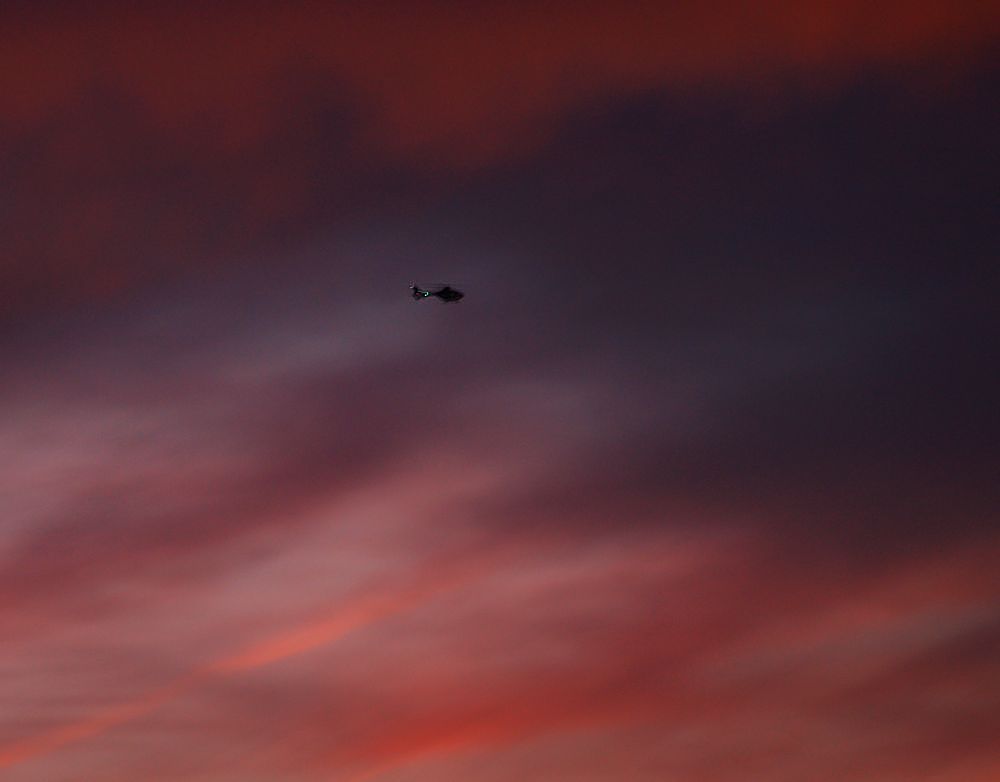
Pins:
<point x="698" y="482"/>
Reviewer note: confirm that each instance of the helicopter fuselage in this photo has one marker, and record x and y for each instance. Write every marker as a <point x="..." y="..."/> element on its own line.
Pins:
<point x="446" y="294"/>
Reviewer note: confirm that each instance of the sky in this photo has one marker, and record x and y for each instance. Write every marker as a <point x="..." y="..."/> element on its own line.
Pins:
<point x="697" y="484"/>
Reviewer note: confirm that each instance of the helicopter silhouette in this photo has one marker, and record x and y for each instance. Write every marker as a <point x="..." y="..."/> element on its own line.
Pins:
<point x="446" y="293"/>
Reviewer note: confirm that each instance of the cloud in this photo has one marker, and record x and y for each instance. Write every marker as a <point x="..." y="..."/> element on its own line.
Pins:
<point x="698" y="482"/>
<point x="355" y="615"/>
<point x="447" y="77"/>
<point x="143" y="141"/>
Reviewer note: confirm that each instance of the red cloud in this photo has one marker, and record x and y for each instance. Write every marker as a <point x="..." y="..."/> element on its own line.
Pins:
<point x="455" y="81"/>
<point x="141" y="137"/>
<point x="353" y="616"/>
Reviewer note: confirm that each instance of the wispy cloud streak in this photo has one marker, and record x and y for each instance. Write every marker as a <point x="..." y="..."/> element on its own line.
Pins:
<point x="355" y="616"/>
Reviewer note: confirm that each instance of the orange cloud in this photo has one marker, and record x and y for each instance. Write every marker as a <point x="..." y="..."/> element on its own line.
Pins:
<point x="95" y="725"/>
<point x="357" y="615"/>
<point x="518" y="716"/>
<point x="364" y="612"/>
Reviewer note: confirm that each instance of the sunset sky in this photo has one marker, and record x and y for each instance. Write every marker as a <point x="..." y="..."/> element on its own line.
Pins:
<point x="699" y="483"/>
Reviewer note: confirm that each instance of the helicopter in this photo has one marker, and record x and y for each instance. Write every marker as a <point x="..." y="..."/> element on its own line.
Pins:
<point x="445" y="293"/>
